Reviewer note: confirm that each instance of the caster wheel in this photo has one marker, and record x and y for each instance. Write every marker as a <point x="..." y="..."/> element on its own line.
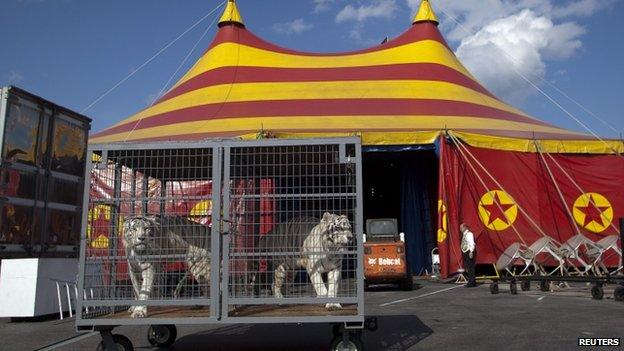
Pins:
<point x="545" y="286"/>
<point x="162" y="335"/>
<point x="371" y="324"/>
<point x="494" y="288"/>
<point x="122" y="343"/>
<point x="596" y="292"/>
<point x="525" y="285"/>
<point x="513" y="288"/>
<point x="354" y="344"/>
<point x="618" y="294"/>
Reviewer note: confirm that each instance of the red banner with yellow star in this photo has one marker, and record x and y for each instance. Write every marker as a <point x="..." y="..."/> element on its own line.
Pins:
<point x="507" y="197"/>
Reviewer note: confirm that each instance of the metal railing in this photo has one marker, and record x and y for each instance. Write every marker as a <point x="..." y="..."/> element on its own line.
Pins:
<point x="68" y="287"/>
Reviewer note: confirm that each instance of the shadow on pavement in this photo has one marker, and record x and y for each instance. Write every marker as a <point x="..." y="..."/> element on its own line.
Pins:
<point x="396" y="333"/>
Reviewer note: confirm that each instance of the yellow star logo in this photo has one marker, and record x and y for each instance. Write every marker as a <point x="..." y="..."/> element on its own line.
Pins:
<point x="443" y="222"/>
<point x="498" y="210"/>
<point x="593" y="212"/>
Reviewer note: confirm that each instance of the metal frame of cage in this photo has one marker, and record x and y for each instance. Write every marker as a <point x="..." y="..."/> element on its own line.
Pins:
<point x="227" y="167"/>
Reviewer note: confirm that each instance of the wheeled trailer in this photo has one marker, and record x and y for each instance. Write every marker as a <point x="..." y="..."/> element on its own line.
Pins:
<point x="597" y="282"/>
<point x="223" y="232"/>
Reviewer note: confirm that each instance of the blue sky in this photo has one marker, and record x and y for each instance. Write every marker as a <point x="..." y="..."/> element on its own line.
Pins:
<point x="72" y="51"/>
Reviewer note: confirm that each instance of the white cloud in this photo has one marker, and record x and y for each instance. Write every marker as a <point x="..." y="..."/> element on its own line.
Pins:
<point x="15" y="78"/>
<point x="529" y="32"/>
<point x="321" y="5"/>
<point x="376" y="9"/>
<point x="296" y="26"/>
<point x="581" y="8"/>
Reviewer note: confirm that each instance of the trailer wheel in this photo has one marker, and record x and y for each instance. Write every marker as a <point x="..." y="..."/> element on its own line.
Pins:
<point x="513" y="288"/>
<point x="525" y="285"/>
<point x="494" y="288"/>
<point x="596" y="292"/>
<point x="407" y="284"/>
<point x="545" y="286"/>
<point x="122" y="343"/>
<point x="336" y="330"/>
<point x="354" y="343"/>
<point x="618" y="294"/>
<point x="162" y="335"/>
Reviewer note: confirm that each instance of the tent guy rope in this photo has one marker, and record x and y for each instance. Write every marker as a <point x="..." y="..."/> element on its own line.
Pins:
<point x="135" y="71"/>
<point x="535" y="86"/>
<point x="561" y="197"/>
<point x="175" y="73"/>
<point x="498" y="184"/>
<point x="457" y="142"/>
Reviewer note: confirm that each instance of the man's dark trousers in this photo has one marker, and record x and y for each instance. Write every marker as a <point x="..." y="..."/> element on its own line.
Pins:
<point x="469" y="265"/>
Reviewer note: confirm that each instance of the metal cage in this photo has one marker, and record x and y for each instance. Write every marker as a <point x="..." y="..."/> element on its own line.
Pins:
<point x="222" y="232"/>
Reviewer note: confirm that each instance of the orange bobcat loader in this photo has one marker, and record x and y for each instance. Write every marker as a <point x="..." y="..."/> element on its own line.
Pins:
<point x="384" y="254"/>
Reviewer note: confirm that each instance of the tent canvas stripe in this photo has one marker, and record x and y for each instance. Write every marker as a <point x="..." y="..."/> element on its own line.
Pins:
<point x="428" y="90"/>
<point x="334" y="107"/>
<point x="233" y="54"/>
<point x="329" y="123"/>
<point x="408" y="71"/>
<point x="388" y="137"/>
<point x="233" y="34"/>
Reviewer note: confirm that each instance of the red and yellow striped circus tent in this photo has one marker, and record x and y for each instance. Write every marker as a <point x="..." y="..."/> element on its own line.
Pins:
<point x="463" y="155"/>
<point x="403" y="92"/>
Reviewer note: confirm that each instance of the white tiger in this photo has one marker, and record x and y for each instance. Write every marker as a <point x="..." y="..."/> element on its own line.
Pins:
<point x="322" y="245"/>
<point x="147" y="236"/>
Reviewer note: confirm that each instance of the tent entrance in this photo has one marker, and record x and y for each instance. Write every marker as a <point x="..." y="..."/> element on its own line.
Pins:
<point x="404" y="185"/>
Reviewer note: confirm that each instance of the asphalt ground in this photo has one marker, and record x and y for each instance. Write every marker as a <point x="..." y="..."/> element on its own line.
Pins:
<point x="432" y="317"/>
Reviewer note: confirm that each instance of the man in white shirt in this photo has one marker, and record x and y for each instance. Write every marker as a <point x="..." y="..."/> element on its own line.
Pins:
<point x="468" y="249"/>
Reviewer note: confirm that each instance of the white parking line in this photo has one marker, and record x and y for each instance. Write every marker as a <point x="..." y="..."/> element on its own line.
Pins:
<point x="419" y="296"/>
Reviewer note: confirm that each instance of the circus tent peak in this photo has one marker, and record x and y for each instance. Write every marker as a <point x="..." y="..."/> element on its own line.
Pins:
<point x="425" y="14"/>
<point x="231" y="15"/>
<point x="404" y="92"/>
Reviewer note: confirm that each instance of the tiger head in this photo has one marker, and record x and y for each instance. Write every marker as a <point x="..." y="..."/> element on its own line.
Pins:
<point x="138" y="234"/>
<point x="338" y="229"/>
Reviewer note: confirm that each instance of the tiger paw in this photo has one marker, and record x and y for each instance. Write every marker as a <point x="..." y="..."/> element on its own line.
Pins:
<point x="333" y="306"/>
<point x="139" y="312"/>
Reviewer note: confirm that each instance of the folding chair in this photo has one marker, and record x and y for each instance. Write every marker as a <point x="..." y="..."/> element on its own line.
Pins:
<point x="570" y="251"/>
<point x="509" y="256"/>
<point x="529" y="256"/>
<point x="544" y="245"/>
<point x="597" y="251"/>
